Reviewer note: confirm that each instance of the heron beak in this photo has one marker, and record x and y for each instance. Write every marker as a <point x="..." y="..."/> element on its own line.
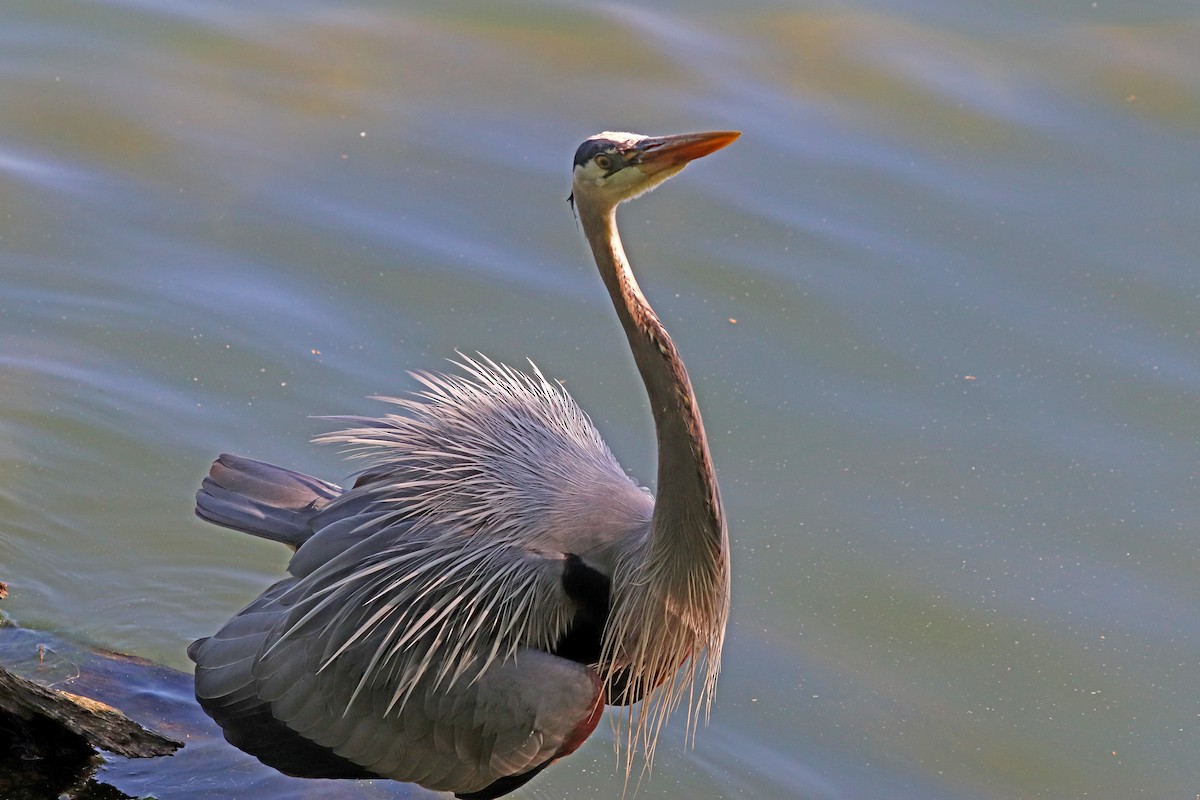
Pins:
<point x="665" y="152"/>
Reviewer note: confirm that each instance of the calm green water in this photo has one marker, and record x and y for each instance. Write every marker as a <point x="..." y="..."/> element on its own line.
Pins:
<point x="941" y="303"/>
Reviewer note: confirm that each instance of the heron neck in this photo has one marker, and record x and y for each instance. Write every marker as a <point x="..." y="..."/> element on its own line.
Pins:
<point x="688" y="504"/>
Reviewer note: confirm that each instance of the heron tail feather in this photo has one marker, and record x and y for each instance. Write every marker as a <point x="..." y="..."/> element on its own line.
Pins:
<point x="263" y="500"/>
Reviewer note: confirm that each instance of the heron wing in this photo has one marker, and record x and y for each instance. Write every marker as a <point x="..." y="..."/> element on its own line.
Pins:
<point x="516" y="716"/>
<point x="415" y="636"/>
<point x="322" y="676"/>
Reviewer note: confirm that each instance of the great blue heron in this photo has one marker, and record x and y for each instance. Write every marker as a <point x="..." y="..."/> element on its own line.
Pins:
<point x="460" y="617"/>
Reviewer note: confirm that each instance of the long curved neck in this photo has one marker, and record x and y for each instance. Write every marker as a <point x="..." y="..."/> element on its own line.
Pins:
<point x="687" y="511"/>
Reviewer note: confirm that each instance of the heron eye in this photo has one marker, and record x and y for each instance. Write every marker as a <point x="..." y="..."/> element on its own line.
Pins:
<point x="604" y="162"/>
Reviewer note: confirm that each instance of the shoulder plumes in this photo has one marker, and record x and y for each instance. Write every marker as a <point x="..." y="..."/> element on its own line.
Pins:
<point x="492" y="450"/>
<point x="459" y="548"/>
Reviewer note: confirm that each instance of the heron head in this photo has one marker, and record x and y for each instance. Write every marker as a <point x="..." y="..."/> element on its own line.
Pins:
<point x="611" y="168"/>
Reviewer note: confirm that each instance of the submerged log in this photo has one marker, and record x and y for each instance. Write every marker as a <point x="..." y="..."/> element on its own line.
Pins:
<point x="98" y="724"/>
<point x="50" y="739"/>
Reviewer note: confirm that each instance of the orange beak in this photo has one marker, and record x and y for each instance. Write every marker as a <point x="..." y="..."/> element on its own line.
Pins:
<point x="664" y="152"/>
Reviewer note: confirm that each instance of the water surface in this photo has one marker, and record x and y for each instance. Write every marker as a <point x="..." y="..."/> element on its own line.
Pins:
<point x="940" y="302"/>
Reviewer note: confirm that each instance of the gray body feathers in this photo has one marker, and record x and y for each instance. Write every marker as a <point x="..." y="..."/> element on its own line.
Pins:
<point x="412" y="637"/>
